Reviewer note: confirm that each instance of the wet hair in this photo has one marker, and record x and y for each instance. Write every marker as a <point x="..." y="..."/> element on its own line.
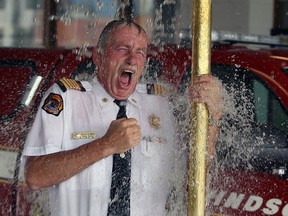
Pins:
<point x="111" y="26"/>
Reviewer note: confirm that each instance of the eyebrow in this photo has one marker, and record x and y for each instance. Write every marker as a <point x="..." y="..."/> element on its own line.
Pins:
<point x="144" y="49"/>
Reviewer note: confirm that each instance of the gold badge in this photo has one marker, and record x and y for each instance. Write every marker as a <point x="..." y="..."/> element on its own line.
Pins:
<point x="154" y="121"/>
<point x="83" y="135"/>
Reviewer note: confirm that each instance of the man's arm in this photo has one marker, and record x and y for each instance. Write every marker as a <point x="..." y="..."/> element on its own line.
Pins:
<point x="208" y="89"/>
<point x="213" y="132"/>
<point x="48" y="170"/>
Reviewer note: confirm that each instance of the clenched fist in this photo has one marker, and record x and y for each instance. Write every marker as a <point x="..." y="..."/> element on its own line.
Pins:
<point x="122" y="135"/>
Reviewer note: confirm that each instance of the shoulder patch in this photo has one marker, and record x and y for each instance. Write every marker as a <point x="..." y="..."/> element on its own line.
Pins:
<point x="66" y="84"/>
<point x="53" y="104"/>
<point x="156" y="89"/>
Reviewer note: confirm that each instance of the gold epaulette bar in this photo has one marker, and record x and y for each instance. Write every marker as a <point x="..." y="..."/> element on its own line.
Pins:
<point x="156" y="89"/>
<point x="67" y="84"/>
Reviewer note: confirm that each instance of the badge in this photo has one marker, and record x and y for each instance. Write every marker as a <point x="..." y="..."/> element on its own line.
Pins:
<point x="83" y="135"/>
<point x="53" y="104"/>
<point x="154" y="121"/>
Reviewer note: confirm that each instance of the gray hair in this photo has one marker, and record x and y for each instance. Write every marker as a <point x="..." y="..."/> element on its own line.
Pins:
<point x="111" y="26"/>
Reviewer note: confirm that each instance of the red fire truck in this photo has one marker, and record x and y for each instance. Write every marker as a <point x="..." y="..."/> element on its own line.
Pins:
<point x="250" y="175"/>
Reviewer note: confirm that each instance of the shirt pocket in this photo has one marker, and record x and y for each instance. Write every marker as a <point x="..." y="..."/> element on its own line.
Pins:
<point x="92" y="177"/>
<point x="155" y="165"/>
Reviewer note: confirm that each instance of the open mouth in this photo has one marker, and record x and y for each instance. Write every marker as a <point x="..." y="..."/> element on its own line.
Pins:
<point x="126" y="77"/>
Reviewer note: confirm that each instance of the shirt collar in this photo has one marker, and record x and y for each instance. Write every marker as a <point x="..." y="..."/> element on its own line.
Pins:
<point x="105" y="99"/>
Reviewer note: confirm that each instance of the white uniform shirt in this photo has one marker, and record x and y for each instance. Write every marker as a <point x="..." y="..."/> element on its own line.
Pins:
<point x="87" y="193"/>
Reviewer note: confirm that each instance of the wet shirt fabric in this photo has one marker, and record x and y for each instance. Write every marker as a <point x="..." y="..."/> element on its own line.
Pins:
<point x="84" y="116"/>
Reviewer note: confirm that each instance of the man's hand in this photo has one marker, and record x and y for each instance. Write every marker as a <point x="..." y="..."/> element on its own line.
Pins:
<point x="122" y="135"/>
<point x="208" y="89"/>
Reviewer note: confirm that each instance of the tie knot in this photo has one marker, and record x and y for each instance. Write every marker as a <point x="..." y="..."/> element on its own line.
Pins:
<point x="120" y="103"/>
<point x="122" y="108"/>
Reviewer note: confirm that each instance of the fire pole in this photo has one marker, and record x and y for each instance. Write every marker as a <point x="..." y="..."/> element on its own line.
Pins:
<point x="201" y="58"/>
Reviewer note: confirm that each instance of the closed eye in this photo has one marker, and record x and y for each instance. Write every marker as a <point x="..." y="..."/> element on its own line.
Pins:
<point x="141" y="53"/>
<point x="122" y="49"/>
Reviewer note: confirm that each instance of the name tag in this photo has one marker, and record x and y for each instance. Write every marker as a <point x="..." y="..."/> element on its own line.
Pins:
<point x="83" y="135"/>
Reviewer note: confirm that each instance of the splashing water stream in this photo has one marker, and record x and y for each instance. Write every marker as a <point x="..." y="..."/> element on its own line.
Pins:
<point x="236" y="143"/>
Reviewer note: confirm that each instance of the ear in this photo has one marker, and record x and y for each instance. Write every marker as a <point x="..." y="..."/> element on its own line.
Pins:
<point x="96" y="56"/>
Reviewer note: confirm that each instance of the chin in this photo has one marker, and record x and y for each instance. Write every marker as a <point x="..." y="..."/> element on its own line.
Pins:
<point x="123" y="95"/>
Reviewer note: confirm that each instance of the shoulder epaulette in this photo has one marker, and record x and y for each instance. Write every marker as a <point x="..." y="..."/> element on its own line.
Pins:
<point x="66" y="84"/>
<point x="156" y="89"/>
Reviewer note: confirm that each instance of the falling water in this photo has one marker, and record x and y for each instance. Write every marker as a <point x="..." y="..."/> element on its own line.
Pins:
<point x="236" y="132"/>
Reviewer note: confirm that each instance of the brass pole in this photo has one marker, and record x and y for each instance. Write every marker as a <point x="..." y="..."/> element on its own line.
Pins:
<point x="201" y="44"/>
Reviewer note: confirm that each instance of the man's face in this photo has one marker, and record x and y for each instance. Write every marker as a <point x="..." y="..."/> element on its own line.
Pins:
<point x="122" y="61"/>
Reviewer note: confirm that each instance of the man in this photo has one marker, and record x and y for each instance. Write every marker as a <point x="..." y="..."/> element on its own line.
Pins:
<point x="75" y="137"/>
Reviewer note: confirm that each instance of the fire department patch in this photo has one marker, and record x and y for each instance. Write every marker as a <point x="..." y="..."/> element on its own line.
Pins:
<point x="53" y="104"/>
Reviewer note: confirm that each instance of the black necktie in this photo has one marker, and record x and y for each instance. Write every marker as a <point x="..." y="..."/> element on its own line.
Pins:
<point x="120" y="187"/>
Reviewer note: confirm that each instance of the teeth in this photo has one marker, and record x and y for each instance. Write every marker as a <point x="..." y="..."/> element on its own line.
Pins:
<point x="131" y="74"/>
<point x="128" y="71"/>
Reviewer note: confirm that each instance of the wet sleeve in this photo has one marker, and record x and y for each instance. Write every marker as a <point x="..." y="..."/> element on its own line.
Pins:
<point x="46" y="134"/>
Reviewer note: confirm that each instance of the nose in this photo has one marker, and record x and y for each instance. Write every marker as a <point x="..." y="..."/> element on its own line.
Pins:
<point x="131" y="59"/>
